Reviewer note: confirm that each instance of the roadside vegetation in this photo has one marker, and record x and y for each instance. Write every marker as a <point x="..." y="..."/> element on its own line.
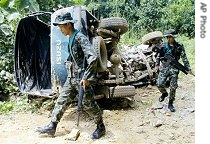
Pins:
<point x="143" y="16"/>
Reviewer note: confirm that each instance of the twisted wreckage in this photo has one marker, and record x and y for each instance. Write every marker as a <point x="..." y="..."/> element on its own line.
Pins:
<point x="41" y="50"/>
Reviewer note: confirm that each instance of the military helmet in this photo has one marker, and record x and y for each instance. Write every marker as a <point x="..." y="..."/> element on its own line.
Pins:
<point x="63" y="18"/>
<point x="170" y="32"/>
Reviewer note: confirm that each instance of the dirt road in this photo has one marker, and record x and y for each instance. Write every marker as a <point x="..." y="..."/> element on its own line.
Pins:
<point x="145" y="121"/>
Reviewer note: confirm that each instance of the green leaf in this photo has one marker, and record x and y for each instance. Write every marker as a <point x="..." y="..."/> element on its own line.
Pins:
<point x="4" y="3"/>
<point x="10" y="10"/>
<point x="78" y="1"/>
<point x="5" y="29"/>
<point x="1" y="18"/>
<point x="33" y="6"/>
<point x="21" y="4"/>
<point x="13" y="16"/>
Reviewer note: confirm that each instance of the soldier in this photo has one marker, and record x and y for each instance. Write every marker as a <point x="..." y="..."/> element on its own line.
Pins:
<point x="166" y="70"/>
<point x="83" y="57"/>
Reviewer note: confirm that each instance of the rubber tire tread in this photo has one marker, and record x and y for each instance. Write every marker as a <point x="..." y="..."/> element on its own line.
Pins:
<point x="146" y="39"/>
<point x="99" y="44"/>
<point x="114" y="24"/>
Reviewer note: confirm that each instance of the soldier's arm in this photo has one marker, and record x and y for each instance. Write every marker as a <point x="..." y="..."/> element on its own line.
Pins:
<point x="160" y="54"/>
<point x="184" y="58"/>
<point x="90" y="55"/>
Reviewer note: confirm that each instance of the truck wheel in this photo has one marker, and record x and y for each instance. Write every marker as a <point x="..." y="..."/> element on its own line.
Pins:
<point x="105" y="33"/>
<point x="116" y="24"/>
<point x="99" y="44"/>
<point x="122" y="91"/>
<point x="152" y="37"/>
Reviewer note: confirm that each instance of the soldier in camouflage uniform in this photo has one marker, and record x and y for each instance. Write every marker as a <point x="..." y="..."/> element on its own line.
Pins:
<point x="166" y="70"/>
<point x="83" y="57"/>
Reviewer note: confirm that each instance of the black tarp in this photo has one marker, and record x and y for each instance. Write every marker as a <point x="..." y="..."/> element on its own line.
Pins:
<point x="32" y="55"/>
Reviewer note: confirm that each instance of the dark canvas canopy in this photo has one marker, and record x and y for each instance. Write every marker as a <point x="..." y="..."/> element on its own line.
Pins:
<point x="32" y="55"/>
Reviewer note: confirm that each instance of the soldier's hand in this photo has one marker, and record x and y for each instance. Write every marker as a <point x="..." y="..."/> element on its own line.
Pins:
<point x="84" y="83"/>
<point x="190" y="72"/>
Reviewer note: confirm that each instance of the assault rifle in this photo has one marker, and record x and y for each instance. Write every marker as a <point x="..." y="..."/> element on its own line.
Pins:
<point x="79" y="104"/>
<point x="81" y="92"/>
<point x="171" y="60"/>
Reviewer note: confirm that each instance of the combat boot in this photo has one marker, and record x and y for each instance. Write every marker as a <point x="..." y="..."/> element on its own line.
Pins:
<point x="162" y="97"/>
<point x="49" y="129"/>
<point x="99" y="132"/>
<point x="170" y="106"/>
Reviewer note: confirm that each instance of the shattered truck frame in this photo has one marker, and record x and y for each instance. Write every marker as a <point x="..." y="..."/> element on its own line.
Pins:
<point x="41" y="50"/>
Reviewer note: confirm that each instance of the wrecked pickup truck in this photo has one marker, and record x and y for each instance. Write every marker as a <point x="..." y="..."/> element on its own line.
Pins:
<point x="41" y="50"/>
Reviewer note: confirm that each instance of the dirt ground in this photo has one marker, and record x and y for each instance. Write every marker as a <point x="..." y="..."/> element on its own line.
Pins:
<point x="143" y="120"/>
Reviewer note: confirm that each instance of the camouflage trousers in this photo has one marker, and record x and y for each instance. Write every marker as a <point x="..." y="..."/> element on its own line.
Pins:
<point x="68" y="94"/>
<point x="171" y="73"/>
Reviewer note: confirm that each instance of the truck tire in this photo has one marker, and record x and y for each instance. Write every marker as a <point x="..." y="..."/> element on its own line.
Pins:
<point x="116" y="24"/>
<point x="151" y="37"/>
<point x="99" y="44"/>
<point x="105" y="33"/>
<point x="122" y="91"/>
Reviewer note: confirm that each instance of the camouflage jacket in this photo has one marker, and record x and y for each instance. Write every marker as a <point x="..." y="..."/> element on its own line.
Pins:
<point x="177" y="51"/>
<point x="82" y="49"/>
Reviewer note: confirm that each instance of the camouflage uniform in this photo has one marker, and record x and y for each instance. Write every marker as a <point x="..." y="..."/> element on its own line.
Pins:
<point x="81" y="66"/>
<point x="81" y="48"/>
<point x="167" y="70"/>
